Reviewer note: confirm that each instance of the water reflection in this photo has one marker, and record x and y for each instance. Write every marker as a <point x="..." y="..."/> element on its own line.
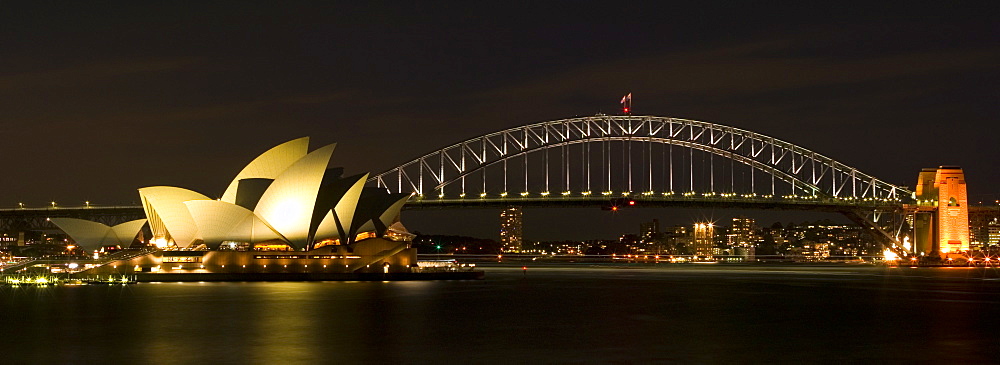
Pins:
<point x="575" y="314"/>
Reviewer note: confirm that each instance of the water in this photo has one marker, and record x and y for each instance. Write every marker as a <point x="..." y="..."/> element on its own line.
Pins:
<point x="564" y="314"/>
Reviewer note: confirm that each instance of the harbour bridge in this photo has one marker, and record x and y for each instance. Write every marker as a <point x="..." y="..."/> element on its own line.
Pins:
<point x="609" y="161"/>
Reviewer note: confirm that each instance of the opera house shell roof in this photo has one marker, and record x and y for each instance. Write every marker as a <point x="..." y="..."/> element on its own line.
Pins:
<point x="92" y="236"/>
<point x="287" y="194"/>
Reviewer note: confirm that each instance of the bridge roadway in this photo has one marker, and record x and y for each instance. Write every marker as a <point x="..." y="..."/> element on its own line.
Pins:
<point x="641" y="200"/>
<point x="714" y="201"/>
<point x="17" y="219"/>
<point x="28" y="219"/>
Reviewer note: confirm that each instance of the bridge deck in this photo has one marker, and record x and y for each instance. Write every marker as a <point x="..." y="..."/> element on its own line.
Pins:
<point x="738" y="202"/>
<point x="828" y="205"/>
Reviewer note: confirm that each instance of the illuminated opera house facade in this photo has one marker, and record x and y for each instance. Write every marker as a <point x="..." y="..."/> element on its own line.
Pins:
<point x="287" y="211"/>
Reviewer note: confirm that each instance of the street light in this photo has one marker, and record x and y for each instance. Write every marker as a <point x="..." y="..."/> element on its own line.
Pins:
<point x="53" y="204"/>
<point x="21" y="205"/>
<point x="87" y="203"/>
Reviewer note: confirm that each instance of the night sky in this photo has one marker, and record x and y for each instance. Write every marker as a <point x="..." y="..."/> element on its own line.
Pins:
<point x="99" y="99"/>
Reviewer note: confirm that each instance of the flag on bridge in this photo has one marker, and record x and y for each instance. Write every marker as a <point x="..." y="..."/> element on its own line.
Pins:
<point x="627" y="103"/>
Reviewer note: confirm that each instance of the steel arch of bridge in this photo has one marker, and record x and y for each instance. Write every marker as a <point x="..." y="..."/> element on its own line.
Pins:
<point x="807" y="175"/>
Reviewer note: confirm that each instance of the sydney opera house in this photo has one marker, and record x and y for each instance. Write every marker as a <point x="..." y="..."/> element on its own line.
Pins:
<point x="287" y="211"/>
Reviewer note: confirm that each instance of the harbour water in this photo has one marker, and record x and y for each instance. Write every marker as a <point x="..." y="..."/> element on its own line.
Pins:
<point x="549" y="313"/>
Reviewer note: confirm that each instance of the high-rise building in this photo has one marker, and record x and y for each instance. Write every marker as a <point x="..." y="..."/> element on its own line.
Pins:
<point x="511" y="236"/>
<point x="993" y="234"/>
<point x="743" y="232"/>
<point x="703" y="243"/>
<point x="743" y="235"/>
<point x="678" y="240"/>
<point x="649" y="230"/>
<point x="980" y="217"/>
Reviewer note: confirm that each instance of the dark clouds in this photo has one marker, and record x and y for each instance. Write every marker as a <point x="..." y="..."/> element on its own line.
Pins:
<point x="99" y="99"/>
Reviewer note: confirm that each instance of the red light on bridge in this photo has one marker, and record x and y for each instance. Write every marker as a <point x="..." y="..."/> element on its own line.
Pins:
<point x="631" y="202"/>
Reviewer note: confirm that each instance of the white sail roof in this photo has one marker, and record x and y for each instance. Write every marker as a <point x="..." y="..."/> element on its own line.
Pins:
<point x="221" y="221"/>
<point x="344" y="211"/>
<point x="328" y="227"/>
<point x="289" y="201"/>
<point x="386" y="218"/>
<point x="93" y="235"/>
<point x="286" y="193"/>
<point x="127" y="231"/>
<point x="89" y="235"/>
<point x="168" y="215"/>
<point x="349" y="203"/>
<point x="390" y="215"/>
<point x="269" y="164"/>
